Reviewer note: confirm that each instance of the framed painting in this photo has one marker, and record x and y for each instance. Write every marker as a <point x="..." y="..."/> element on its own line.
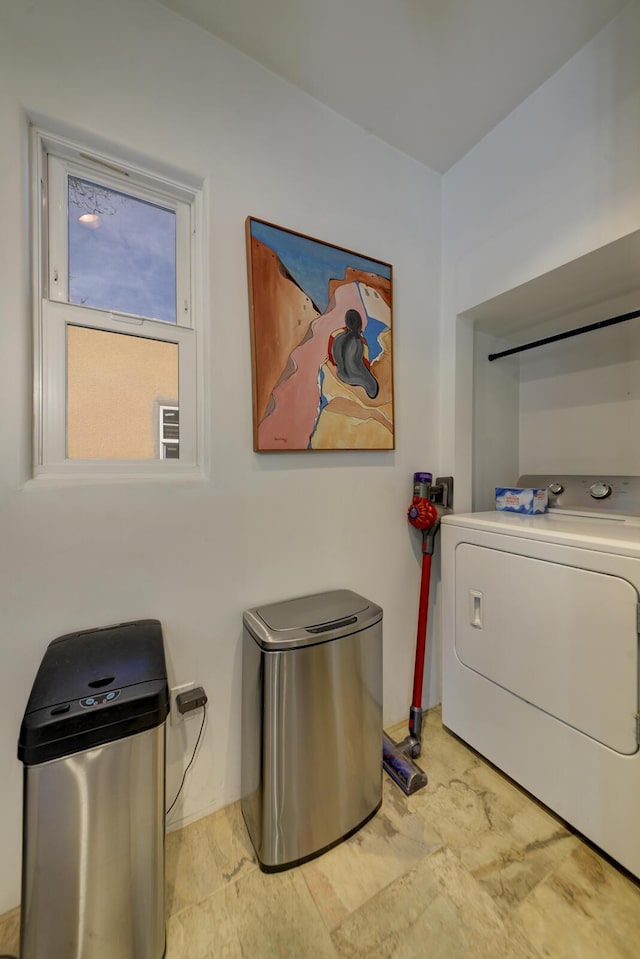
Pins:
<point x="321" y="344"/>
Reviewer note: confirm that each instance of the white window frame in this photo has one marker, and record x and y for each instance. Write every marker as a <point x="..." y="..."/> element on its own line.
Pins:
<point x="54" y="159"/>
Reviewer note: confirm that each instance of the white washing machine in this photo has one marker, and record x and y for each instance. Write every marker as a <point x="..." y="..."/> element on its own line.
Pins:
<point x="541" y="667"/>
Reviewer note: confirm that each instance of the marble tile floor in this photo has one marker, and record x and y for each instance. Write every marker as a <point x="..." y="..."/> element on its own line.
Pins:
<point x="468" y="868"/>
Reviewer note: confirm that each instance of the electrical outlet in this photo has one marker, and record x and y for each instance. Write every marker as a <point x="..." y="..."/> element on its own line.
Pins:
<point x="176" y="716"/>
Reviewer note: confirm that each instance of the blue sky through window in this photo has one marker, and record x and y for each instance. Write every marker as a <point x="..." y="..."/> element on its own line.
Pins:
<point x="122" y="252"/>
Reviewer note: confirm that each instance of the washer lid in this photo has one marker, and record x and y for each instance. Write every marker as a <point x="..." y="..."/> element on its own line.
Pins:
<point x="305" y="620"/>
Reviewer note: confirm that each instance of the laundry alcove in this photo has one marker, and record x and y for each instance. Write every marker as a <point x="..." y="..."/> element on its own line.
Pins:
<point x="569" y="406"/>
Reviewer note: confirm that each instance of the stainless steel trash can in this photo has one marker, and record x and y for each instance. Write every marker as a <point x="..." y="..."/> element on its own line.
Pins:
<point x="311" y="724"/>
<point x="93" y="746"/>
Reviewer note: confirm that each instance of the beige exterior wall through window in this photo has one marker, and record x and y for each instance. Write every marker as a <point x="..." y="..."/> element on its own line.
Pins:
<point x="116" y="384"/>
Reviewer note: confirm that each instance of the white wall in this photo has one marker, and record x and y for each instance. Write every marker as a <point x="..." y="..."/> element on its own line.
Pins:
<point x="579" y="400"/>
<point x="260" y="528"/>
<point x="496" y="420"/>
<point x="554" y="181"/>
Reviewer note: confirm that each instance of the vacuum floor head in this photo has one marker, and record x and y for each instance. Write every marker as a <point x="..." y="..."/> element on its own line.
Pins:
<point x="401" y="768"/>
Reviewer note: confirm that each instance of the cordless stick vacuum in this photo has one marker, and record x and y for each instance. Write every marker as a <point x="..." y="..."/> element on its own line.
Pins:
<point x="429" y="502"/>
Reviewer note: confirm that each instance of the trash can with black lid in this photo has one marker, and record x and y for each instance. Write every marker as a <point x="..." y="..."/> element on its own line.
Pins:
<point x="311" y="723"/>
<point x="92" y="742"/>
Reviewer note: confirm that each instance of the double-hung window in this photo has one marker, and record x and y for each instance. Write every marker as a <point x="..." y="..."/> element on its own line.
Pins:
<point x="116" y="358"/>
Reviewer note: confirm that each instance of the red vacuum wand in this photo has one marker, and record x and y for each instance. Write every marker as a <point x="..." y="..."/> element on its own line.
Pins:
<point x="429" y="502"/>
<point x="425" y="516"/>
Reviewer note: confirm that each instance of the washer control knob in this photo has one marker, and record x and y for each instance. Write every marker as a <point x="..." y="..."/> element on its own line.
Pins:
<point x="556" y="488"/>
<point x="600" y="490"/>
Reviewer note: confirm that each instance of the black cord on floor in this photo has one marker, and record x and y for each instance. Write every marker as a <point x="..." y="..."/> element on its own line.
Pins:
<point x="5" y="955"/>
<point x="193" y="756"/>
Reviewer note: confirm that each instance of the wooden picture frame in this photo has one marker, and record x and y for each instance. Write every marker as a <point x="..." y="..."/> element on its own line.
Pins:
<point x="321" y="344"/>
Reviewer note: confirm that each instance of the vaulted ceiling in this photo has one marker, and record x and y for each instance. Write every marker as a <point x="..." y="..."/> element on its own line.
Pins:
<point x="430" y="77"/>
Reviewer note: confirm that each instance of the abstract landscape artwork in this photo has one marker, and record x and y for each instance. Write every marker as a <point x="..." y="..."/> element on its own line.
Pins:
<point x="321" y="344"/>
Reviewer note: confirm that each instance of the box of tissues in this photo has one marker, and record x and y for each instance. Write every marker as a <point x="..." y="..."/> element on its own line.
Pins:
<point x="516" y="500"/>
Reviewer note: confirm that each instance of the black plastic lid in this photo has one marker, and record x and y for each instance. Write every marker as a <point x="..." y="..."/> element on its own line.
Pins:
<point x="94" y="687"/>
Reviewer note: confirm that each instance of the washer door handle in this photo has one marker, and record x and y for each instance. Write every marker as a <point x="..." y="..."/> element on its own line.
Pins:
<point x="476" y="602"/>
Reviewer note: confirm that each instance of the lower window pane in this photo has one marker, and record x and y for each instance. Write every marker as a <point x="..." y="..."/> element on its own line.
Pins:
<point x="116" y="385"/>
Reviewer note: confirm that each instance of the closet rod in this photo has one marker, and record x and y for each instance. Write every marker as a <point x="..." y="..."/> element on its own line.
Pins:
<point x="565" y="336"/>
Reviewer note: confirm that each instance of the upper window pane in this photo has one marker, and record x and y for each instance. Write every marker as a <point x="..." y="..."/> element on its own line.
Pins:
<point x="122" y="252"/>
